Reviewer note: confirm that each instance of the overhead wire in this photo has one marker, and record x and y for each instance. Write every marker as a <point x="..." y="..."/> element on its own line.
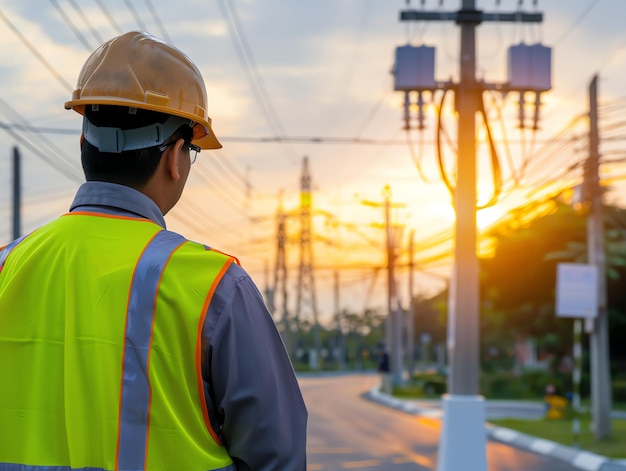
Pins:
<point x="70" y="23"/>
<point x="548" y="153"/>
<point x="36" y="53"/>
<point x="417" y="158"/>
<point x="495" y="161"/>
<point x="109" y="17"/>
<point x="158" y="21"/>
<point x="442" y="169"/>
<point x="85" y="19"/>
<point x="136" y="16"/>
<point x="576" y="22"/>
<point x="221" y="192"/>
<point x="42" y="155"/>
<point x="244" y="53"/>
<point x="349" y="65"/>
<point x="505" y="141"/>
<point x="283" y="139"/>
<point x="223" y="160"/>
<point x="62" y="164"/>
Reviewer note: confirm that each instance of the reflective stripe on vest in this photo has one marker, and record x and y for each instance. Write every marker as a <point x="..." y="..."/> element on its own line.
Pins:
<point x="4" y="253"/>
<point x="135" y="398"/>
<point x="23" y="467"/>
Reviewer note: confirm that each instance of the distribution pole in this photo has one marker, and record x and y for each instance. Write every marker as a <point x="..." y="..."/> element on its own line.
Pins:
<point x="389" y="321"/>
<point x="340" y="342"/>
<point x="599" y="339"/>
<point x="17" y="194"/>
<point x="464" y="351"/>
<point x="391" y="346"/>
<point x="462" y="439"/>
<point x="576" y="376"/>
<point x="410" y="325"/>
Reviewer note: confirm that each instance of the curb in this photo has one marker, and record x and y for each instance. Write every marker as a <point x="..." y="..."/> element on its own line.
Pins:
<point x="582" y="460"/>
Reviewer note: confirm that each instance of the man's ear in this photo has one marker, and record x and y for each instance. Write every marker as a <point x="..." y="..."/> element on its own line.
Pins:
<point x="172" y="156"/>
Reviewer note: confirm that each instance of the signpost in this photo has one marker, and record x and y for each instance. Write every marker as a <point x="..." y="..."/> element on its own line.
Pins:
<point x="577" y="297"/>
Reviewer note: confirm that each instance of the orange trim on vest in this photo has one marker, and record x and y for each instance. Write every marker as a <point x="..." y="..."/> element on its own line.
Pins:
<point x="111" y="216"/>
<point x="227" y="254"/>
<point x="205" y="411"/>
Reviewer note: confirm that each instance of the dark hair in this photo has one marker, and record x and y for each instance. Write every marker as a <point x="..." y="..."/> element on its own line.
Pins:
<point x="132" y="168"/>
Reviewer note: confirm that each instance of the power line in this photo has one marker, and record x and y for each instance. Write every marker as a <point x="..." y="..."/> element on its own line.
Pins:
<point x="36" y="53"/>
<point x="133" y="12"/>
<point x="244" y="53"/>
<point x="221" y="192"/>
<point x="581" y="17"/>
<point x="42" y="155"/>
<point x="67" y="170"/>
<point x="72" y="26"/>
<point x="331" y="140"/>
<point x="109" y="17"/>
<point x="84" y="17"/>
<point x="222" y="159"/>
<point x="158" y="21"/>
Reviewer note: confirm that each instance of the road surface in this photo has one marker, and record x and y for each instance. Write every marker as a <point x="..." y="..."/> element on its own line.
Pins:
<point x="347" y="431"/>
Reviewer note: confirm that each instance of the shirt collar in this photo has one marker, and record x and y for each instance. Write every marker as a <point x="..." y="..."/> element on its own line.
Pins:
<point x="116" y="197"/>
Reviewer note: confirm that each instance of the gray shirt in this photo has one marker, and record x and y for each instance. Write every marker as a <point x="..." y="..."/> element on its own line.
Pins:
<point x="253" y="396"/>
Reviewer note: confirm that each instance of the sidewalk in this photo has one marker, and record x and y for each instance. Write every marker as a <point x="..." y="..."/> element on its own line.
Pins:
<point x="582" y="460"/>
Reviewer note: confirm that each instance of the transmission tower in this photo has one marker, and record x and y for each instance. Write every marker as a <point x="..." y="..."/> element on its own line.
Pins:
<point x="279" y="309"/>
<point x="306" y="304"/>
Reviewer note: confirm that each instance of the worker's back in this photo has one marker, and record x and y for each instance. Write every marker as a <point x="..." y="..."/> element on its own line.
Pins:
<point x="100" y="336"/>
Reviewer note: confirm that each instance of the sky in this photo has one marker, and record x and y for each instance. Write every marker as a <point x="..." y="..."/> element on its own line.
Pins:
<point x="291" y="80"/>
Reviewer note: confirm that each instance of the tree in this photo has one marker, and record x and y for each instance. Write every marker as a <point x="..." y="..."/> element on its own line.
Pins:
<point x="518" y="281"/>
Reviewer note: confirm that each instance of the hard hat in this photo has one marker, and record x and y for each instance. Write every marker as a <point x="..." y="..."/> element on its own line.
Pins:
<point x="140" y="71"/>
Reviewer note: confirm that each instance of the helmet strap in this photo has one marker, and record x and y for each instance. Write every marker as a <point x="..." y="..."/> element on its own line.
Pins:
<point x="116" y="140"/>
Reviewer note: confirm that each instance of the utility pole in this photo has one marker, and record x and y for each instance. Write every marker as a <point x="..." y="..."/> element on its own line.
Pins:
<point x="599" y="338"/>
<point x="462" y="439"/>
<point x="340" y="341"/>
<point x="17" y="194"/>
<point x="306" y="301"/>
<point x="410" y="325"/>
<point x="392" y="341"/>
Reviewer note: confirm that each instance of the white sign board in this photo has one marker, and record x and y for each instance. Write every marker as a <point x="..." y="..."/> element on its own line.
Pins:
<point x="576" y="290"/>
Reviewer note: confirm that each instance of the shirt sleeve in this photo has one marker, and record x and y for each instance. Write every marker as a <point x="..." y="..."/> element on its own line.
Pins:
<point x="254" y="394"/>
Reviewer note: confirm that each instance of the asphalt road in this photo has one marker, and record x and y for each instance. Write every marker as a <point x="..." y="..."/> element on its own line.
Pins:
<point x="347" y="431"/>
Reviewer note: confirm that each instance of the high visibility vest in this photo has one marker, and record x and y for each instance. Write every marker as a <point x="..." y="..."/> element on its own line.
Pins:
<point x="100" y="348"/>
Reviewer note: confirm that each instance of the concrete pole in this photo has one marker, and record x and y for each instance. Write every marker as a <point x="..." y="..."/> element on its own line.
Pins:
<point x="340" y="342"/>
<point x="389" y="244"/>
<point x="463" y="440"/>
<point x="599" y="340"/>
<point x="396" y="361"/>
<point x="389" y="321"/>
<point x="576" y="375"/>
<point x="410" y="324"/>
<point x="17" y="194"/>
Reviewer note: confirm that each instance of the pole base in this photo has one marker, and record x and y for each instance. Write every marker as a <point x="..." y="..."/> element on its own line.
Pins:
<point x="463" y="440"/>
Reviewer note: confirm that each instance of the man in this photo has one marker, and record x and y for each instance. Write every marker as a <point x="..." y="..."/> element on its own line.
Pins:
<point x="124" y="346"/>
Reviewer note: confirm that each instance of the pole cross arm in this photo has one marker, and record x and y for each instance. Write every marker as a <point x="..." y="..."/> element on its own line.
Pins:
<point x="470" y="16"/>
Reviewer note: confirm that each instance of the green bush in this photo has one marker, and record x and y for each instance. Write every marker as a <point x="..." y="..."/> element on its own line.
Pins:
<point x="430" y="383"/>
<point x="619" y="391"/>
<point x="507" y="385"/>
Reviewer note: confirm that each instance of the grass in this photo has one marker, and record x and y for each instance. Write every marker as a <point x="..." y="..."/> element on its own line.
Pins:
<point x="560" y="431"/>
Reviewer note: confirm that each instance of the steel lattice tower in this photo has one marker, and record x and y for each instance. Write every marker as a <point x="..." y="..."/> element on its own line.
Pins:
<point x="279" y="309"/>
<point x="306" y="303"/>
